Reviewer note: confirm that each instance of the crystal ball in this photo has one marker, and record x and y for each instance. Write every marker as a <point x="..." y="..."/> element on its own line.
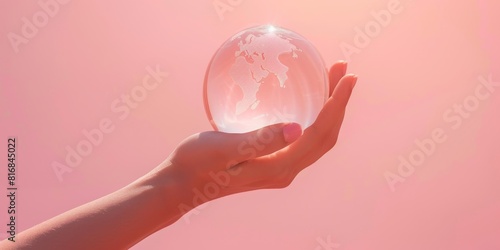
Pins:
<point x="262" y="76"/>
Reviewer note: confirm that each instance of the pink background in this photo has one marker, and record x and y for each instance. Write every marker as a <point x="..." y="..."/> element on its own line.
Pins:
<point x="426" y="59"/>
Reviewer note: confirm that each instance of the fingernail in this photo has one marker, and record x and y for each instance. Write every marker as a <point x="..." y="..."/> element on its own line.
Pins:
<point x="354" y="80"/>
<point x="344" y="67"/>
<point x="292" y="132"/>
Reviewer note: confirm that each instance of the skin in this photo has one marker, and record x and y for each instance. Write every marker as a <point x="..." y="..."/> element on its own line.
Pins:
<point x="267" y="158"/>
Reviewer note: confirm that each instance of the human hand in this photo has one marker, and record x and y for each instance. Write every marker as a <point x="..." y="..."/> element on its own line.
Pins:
<point x="219" y="164"/>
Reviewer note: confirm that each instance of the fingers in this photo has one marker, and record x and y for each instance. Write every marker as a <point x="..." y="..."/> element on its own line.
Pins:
<point x="249" y="145"/>
<point x="284" y="164"/>
<point x="337" y="71"/>
<point x="264" y="141"/>
<point x="325" y="128"/>
<point x="330" y="117"/>
<point x="279" y="168"/>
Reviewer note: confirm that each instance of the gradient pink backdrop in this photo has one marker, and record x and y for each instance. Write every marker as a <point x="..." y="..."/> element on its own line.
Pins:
<point x="426" y="59"/>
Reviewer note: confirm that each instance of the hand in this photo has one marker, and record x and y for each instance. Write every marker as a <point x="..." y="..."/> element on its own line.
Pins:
<point x="203" y="167"/>
<point x="218" y="164"/>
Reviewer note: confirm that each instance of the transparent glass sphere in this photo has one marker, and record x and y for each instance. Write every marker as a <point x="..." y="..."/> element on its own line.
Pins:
<point x="264" y="75"/>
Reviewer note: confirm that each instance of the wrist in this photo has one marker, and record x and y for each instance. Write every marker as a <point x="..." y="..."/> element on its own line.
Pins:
<point x="171" y="188"/>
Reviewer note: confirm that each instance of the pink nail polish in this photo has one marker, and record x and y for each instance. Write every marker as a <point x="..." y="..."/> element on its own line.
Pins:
<point x="292" y="132"/>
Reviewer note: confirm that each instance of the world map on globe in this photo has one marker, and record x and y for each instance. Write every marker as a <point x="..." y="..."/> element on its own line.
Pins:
<point x="264" y="75"/>
<point x="257" y="59"/>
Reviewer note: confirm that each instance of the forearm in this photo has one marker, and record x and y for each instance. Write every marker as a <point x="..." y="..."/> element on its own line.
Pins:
<point x="116" y="221"/>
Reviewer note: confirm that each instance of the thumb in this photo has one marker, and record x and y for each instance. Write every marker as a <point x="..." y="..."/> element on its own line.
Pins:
<point x="264" y="141"/>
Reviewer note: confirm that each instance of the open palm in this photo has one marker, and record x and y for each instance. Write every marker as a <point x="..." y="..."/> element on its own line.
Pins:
<point x="270" y="157"/>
